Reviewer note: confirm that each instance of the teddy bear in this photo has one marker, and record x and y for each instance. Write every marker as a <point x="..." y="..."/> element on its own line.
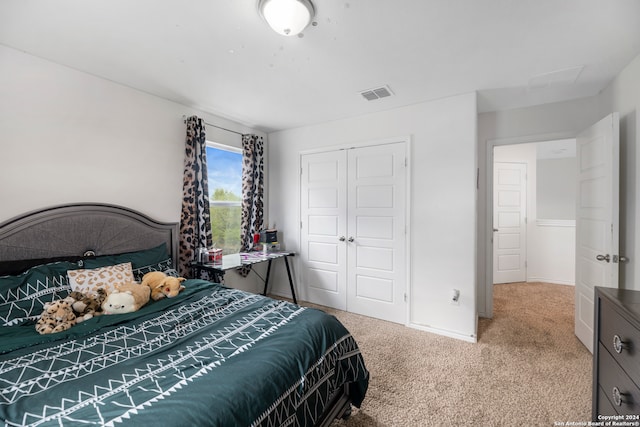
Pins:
<point x="85" y="306"/>
<point x="162" y="285"/>
<point x="57" y="316"/>
<point x="126" y="298"/>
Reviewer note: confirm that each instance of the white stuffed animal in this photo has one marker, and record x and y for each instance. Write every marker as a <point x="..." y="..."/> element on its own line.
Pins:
<point x="126" y="299"/>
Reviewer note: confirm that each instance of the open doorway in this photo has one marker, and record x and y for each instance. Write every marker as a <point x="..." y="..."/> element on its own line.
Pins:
<point x="596" y="255"/>
<point x="534" y="198"/>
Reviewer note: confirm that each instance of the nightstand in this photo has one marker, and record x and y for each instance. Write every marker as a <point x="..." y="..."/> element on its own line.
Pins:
<point x="616" y="353"/>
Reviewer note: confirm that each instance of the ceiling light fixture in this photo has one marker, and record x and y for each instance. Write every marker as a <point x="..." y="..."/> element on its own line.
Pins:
<point x="287" y="17"/>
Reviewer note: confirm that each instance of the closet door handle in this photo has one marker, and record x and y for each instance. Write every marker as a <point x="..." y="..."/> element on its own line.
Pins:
<point x="341" y="238"/>
<point x="351" y="239"/>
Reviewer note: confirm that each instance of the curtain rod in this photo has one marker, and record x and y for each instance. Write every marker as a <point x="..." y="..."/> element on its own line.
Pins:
<point x="184" y="119"/>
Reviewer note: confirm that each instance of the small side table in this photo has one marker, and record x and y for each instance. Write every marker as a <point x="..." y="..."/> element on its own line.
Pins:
<point x="233" y="261"/>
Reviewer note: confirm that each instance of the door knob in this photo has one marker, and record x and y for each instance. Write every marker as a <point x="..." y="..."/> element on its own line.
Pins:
<point x="621" y="259"/>
<point x="603" y="258"/>
<point x="495" y="229"/>
<point x="341" y="238"/>
<point x="351" y="239"/>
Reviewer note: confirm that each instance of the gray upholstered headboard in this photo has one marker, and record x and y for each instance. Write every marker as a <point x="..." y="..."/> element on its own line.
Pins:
<point x="73" y="230"/>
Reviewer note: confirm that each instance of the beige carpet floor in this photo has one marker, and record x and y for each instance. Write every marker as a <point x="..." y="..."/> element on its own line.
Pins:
<point x="527" y="368"/>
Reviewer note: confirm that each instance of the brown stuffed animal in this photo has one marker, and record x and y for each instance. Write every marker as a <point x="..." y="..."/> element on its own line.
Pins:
<point x="85" y="306"/>
<point x="126" y="298"/>
<point x="162" y="285"/>
<point x="57" y="317"/>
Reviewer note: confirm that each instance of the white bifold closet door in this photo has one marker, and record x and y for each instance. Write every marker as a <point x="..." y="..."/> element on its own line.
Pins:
<point x="353" y="229"/>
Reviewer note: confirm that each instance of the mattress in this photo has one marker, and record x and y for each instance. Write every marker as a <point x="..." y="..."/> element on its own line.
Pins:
<point x="212" y="356"/>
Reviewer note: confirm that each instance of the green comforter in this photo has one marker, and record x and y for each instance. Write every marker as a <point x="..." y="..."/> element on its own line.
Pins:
<point x="210" y="357"/>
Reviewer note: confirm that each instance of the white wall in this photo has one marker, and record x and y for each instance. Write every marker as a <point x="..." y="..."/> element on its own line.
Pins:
<point x="71" y="137"/>
<point x="554" y="228"/>
<point x="67" y="136"/>
<point x="443" y="210"/>
<point x="556" y="188"/>
<point x="553" y="252"/>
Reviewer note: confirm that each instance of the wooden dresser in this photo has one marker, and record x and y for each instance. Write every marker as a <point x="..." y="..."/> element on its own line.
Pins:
<point x="616" y="355"/>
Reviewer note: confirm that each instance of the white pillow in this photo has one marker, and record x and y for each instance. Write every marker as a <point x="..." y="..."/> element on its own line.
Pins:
<point x="88" y="281"/>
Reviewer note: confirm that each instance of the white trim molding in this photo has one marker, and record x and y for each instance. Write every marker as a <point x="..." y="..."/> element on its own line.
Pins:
<point x="556" y="222"/>
<point x="469" y="338"/>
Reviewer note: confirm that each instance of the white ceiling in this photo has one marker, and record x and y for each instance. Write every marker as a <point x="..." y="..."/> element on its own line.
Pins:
<point x="220" y="57"/>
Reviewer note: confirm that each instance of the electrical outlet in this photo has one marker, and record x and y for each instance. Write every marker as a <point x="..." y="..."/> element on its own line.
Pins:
<point x="455" y="297"/>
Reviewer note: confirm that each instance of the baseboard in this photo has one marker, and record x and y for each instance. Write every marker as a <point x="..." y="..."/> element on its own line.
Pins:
<point x="283" y="295"/>
<point x="553" y="281"/>
<point x="472" y="339"/>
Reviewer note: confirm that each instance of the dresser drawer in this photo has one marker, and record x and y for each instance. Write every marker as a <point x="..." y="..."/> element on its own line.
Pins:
<point x="612" y="325"/>
<point x="604" y="406"/>
<point x="612" y="376"/>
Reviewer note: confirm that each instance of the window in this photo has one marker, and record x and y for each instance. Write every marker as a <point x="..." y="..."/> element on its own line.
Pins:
<point x="224" y="174"/>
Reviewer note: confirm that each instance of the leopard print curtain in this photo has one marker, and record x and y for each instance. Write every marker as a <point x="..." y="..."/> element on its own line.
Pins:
<point x="195" y="220"/>
<point x="252" y="188"/>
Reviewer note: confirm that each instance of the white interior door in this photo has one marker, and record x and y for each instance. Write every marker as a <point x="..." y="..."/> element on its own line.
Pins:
<point x="324" y="227"/>
<point x="597" y="216"/>
<point x="509" y="222"/>
<point x="376" y="231"/>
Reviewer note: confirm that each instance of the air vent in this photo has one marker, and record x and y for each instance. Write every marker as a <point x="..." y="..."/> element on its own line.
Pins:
<point x="376" y="93"/>
<point x="566" y="76"/>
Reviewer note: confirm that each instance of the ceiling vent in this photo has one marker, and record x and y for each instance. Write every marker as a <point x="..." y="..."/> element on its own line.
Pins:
<point x="566" y="76"/>
<point x="376" y="93"/>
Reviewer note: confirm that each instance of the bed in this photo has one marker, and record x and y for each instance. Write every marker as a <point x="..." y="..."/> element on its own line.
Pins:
<point x="212" y="356"/>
